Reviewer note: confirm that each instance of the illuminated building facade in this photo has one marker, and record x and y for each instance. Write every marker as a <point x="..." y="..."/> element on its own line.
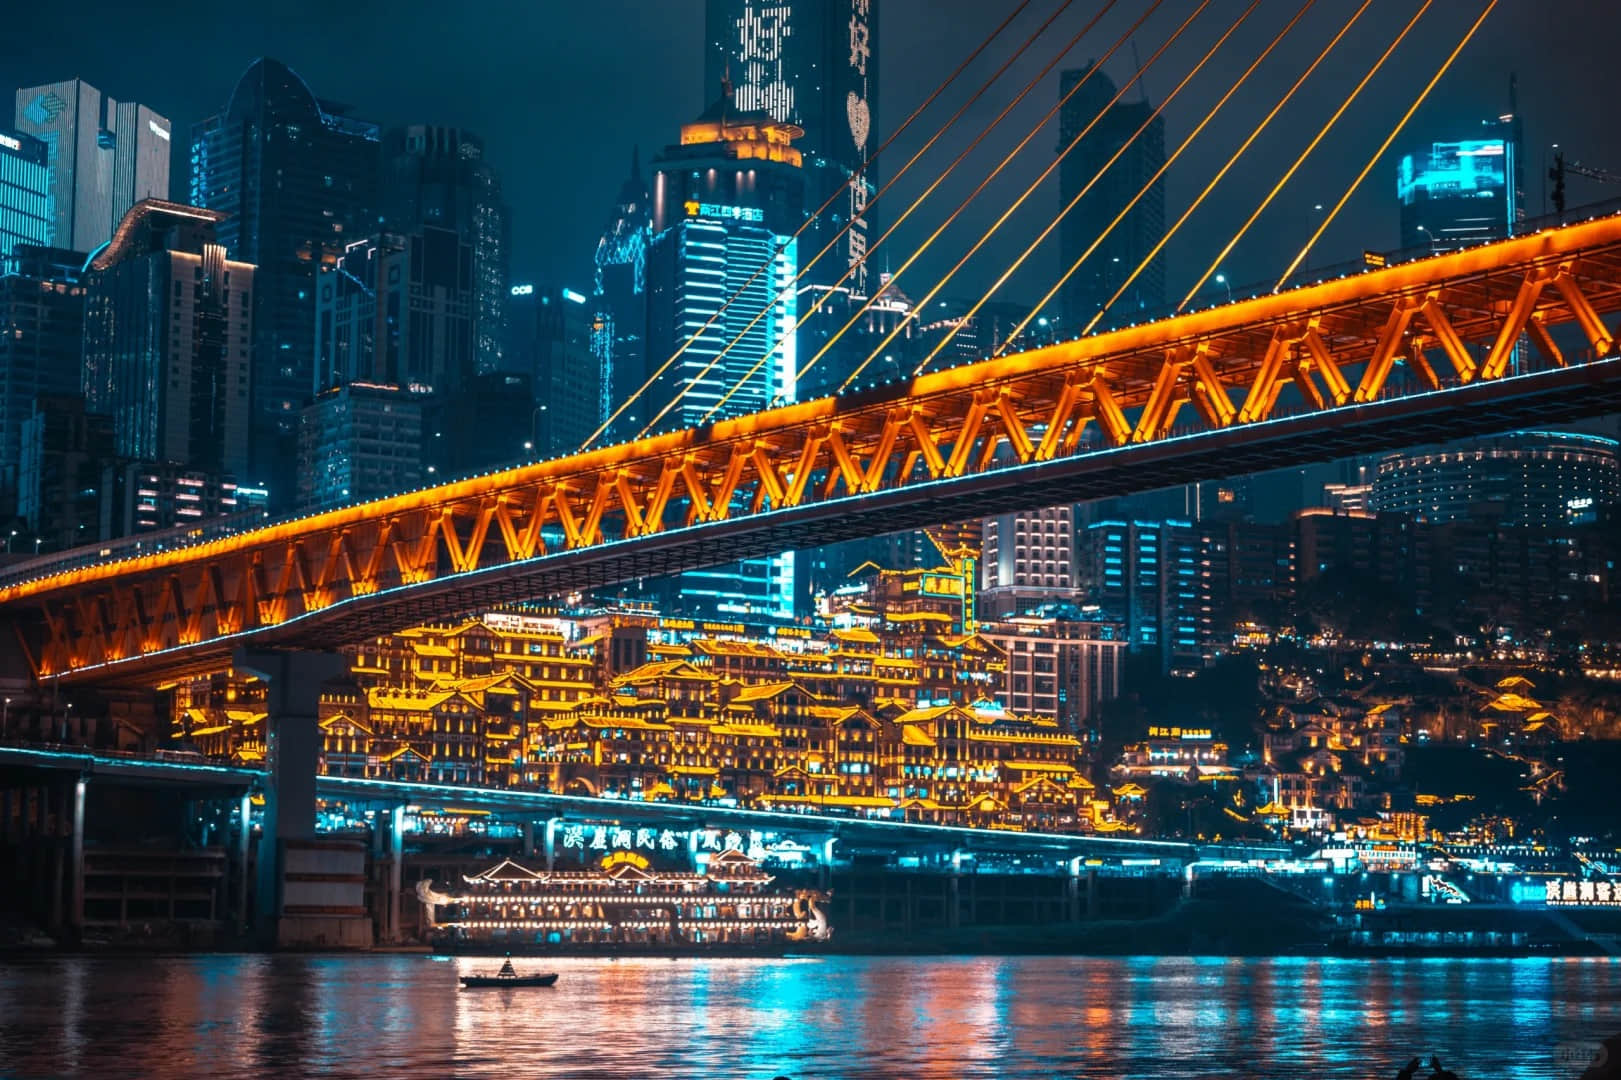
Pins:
<point x="297" y="180"/>
<point x="25" y="194"/>
<point x="103" y="156"/>
<point x="1062" y="663"/>
<point x="1028" y="560"/>
<point x="1153" y="577"/>
<point x="726" y="202"/>
<point x="438" y="176"/>
<point x="1106" y="269"/>
<point x="619" y="302"/>
<point x="357" y="442"/>
<point x="41" y="350"/>
<point x="894" y="721"/>
<point x="1464" y="192"/>
<point x="1532" y="478"/>
<point x="813" y="63"/>
<point x="142" y="496"/>
<point x="553" y="337"/>
<point x="167" y="324"/>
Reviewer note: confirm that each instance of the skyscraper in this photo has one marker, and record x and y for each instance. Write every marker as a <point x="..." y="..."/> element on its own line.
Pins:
<point x="438" y="176"/>
<point x="551" y="335"/>
<point x="1465" y="191"/>
<point x="359" y="441"/>
<point x="398" y="309"/>
<point x="1103" y="272"/>
<point x="1027" y="560"/>
<point x="25" y="197"/>
<point x="1155" y="577"/>
<point x="726" y="200"/>
<point x="166" y="333"/>
<point x="813" y="63"/>
<point x="41" y="343"/>
<point x="298" y="180"/>
<point x="620" y="302"/>
<point x="104" y="157"/>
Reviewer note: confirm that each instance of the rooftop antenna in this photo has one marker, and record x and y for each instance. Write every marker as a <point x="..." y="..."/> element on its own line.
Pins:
<point x="1142" y="84"/>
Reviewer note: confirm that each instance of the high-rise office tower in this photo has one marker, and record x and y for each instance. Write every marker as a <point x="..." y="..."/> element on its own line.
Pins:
<point x="551" y="335"/>
<point x="813" y="63"/>
<point x="25" y="193"/>
<point x="1153" y="576"/>
<point x="166" y="332"/>
<point x="620" y="304"/>
<point x="438" y="176"/>
<point x="398" y="309"/>
<point x="726" y="201"/>
<point x="357" y="442"/>
<point x="1465" y="191"/>
<point x="298" y="180"/>
<point x="104" y="157"/>
<point x="1027" y="561"/>
<point x="1106" y="269"/>
<point x="41" y="343"/>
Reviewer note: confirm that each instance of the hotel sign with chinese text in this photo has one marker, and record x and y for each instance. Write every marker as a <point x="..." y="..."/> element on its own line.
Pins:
<point x="1566" y="893"/>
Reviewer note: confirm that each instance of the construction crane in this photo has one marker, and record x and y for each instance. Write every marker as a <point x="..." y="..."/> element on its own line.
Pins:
<point x="1561" y="167"/>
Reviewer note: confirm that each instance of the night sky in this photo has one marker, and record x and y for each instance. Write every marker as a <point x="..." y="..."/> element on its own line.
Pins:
<point x="561" y="92"/>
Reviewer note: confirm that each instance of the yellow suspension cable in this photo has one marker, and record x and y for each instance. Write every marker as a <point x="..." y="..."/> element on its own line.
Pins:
<point x="1130" y="205"/>
<point x="816" y="305"/>
<point x="1046" y="232"/>
<point x="855" y="177"/>
<point x="1394" y="132"/>
<point x="1304" y="154"/>
<point x="938" y="180"/>
<point x="1231" y="161"/>
<point x="1096" y="66"/>
<point x="1135" y="199"/>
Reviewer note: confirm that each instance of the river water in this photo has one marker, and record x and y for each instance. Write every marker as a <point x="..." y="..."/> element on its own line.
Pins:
<point x="945" y="1018"/>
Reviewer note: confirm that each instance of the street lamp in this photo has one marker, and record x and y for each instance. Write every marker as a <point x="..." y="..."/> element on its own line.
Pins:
<point x="1221" y="279"/>
<point x="9" y="539"/>
<point x="5" y="716"/>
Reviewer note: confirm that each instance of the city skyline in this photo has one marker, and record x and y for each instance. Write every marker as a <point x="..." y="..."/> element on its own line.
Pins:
<point x="609" y="88"/>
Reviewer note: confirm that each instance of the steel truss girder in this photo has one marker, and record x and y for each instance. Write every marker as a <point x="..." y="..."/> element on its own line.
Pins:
<point x="1337" y="343"/>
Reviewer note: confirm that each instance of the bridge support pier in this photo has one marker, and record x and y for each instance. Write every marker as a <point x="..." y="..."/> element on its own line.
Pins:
<point x="75" y="913"/>
<point x="310" y="893"/>
<point x="550" y="841"/>
<point x="244" y="843"/>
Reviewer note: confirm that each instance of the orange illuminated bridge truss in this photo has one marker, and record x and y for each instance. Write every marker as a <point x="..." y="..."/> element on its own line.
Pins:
<point x="1510" y="333"/>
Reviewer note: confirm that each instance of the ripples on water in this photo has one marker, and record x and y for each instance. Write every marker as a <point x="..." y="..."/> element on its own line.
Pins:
<point x="945" y="1018"/>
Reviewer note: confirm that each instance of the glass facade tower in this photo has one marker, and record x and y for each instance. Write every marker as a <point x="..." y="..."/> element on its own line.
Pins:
<point x="104" y="156"/>
<point x="298" y="180"/>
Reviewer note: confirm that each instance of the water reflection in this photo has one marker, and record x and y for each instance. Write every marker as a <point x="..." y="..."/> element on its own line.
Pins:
<point x="400" y="1016"/>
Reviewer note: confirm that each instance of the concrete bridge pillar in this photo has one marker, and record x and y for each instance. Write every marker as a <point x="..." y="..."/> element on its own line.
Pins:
<point x="75" y="913"/>
<point x="394" y="878"/>
<point x="550" y="840"/>
<point x="824" y="864"/>
<point x="954" y="891"/>
<point x="292" y="756"/>
<point x="244" y="842"/>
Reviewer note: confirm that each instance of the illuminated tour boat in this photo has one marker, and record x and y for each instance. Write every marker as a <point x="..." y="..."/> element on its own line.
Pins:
<point x="624" y="905"/>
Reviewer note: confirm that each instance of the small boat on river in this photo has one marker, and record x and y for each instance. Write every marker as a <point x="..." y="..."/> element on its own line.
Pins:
<point x="507" y="978"/>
